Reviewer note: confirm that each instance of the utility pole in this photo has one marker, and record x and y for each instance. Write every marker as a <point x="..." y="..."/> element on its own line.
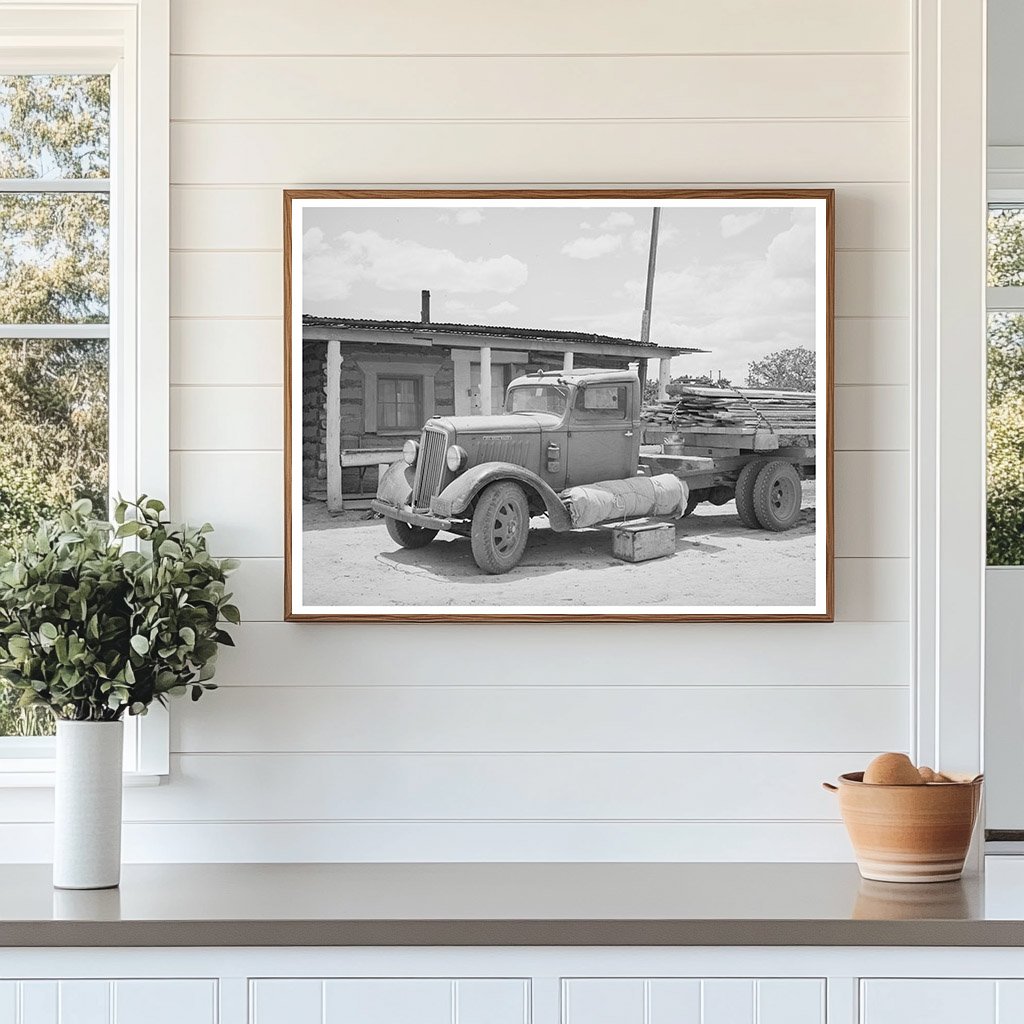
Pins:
<point x="645" y="323"/>
<point x="664" y="365"/>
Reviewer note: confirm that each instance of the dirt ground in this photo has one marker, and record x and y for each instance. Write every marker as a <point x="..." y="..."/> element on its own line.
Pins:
<point x="351" y="560"/>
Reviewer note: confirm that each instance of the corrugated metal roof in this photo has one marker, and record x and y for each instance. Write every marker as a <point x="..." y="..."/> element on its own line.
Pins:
<point x="488" y="330"/>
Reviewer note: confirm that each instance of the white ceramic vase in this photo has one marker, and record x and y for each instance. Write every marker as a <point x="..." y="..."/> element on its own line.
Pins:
<point x="87" y="806"/>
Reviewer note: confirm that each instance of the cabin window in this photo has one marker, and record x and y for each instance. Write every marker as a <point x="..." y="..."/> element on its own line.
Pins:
<point x="399" y="403"/>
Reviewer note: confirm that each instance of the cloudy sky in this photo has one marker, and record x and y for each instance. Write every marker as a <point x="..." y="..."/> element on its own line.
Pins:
<point x="738" y="281"/>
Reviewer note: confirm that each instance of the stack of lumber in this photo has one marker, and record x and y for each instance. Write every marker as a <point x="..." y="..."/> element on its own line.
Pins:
<point x="702" y="409"/>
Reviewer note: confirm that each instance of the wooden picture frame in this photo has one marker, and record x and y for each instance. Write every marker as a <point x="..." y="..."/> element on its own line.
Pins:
<point x="419" y="359"/>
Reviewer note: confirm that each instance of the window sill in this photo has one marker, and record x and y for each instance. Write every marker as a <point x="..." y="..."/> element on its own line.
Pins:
<point x="44" y="778"/>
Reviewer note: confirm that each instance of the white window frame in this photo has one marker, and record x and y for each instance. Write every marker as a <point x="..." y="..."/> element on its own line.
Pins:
<point x="1004" y="716"/>
<point x="949" y="393"/>
<point x="130" y="41"/>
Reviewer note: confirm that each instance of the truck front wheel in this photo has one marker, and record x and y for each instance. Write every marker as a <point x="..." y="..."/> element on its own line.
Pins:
<point x="501" y="523"/>
<point x="407" y="535"/>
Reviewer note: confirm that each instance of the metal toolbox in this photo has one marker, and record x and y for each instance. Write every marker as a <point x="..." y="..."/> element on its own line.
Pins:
<point x="639" y="542"/>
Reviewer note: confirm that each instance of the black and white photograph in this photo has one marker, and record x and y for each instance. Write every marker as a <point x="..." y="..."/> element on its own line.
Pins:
<point x="516" y="406"/>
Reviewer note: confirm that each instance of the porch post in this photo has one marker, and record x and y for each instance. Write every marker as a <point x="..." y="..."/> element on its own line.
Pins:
<point x="567" y="361"/>
<point x="664" y="376"/>
<point x="334" y="360"/>
<point x="485" y="380"/>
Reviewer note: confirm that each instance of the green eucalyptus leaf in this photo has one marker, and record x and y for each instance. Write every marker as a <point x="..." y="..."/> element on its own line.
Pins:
<point x="19" y="646"/>
<point x="170" y="549"/>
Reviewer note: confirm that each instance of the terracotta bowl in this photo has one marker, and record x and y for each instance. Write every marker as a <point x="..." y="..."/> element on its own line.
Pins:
<point x="909" y="833"/>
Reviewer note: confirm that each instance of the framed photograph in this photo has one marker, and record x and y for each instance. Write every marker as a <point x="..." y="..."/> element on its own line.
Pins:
<point x="558" y="405"/>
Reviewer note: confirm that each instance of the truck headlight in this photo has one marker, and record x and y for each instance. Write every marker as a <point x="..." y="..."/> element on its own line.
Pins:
<point x="410" y="450"/>
<point x="456" y="458"/>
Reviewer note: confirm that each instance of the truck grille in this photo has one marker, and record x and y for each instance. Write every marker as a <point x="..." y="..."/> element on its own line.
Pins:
<point x="430" y="467"/>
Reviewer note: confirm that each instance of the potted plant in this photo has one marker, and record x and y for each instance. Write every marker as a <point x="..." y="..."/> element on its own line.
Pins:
<point x="99" y="620"/>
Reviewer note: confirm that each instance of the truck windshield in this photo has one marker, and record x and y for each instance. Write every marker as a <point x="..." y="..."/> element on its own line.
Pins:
<point x="537" y="398"/>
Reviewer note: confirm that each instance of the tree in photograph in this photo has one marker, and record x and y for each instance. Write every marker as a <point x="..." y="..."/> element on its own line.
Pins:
<point x="704" y="380"/>
<point x="789" y="369"/>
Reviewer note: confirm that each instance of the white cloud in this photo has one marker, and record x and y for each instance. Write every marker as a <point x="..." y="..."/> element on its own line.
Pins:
<point x="313" y="242"/>
<point x="739" y="309"/>
<point x="465" y="313"/>
<point x="618" y="219"/>
<point x="736" y="223"/>
<point x="469" y="216"/>
<point x="503" y="309"/>
<point x="584" y="225"/>
<point x="791" y="252"/>
<point x="640" y="239"/>
<point x="330" y="270"/>
<point x="443" y="218"/>
<point x="591" y="248"/>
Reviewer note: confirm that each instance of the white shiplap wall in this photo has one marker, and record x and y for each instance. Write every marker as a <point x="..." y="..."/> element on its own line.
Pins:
<point x="427" y="742"/>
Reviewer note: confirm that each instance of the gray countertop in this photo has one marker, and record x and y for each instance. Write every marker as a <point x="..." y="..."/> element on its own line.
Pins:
<point x="502" y="904"/>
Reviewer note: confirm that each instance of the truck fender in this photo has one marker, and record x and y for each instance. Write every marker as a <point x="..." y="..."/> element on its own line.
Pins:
<point x="459" y="494"/>
<point x="395" y="485"/>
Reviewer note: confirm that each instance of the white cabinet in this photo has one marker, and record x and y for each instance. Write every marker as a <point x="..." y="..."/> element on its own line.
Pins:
<point x="693" y="1001"/>
<point x="942" y="1001"/>
<point x="141" y="1001"/>
<point x="389" y="1001"/>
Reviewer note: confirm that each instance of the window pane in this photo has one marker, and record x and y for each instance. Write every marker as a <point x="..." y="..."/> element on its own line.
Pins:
<point x="53" y="449"/>
<point x="54" y="258"/>
<point x="54" y="126"/>
<point x="1006" y="439"/>
<point x="398" y="403"/>
<point x="53" y="404"/>
<point x="16" y="721"/>
<point x="1005" y="246"/>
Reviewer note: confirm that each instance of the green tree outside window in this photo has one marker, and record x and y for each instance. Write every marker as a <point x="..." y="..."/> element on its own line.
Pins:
<point x="1005" y="476"/>
<point x="54" y="271"/>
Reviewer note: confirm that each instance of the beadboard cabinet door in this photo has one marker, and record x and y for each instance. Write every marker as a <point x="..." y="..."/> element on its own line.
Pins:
<point x="942" y="1001"/>
<point x="389" y="1001"/>
<point x="94" y="1001"/>
<point x="693" y="1001"/>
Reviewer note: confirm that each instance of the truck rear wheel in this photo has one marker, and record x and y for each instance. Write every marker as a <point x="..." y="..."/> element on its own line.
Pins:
<point x="501" y="524"/>
<point x="777" y="495"/>
<point x="745" y="494"/>
<point x="407" y="535"/>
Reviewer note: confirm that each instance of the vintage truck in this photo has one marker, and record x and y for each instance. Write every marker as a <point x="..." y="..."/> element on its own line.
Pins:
<point x="484" y="477"/>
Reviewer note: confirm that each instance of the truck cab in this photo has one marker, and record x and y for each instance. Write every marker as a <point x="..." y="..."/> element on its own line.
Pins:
<point x="486" y="476"/>
<point x="597" y="434"/>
